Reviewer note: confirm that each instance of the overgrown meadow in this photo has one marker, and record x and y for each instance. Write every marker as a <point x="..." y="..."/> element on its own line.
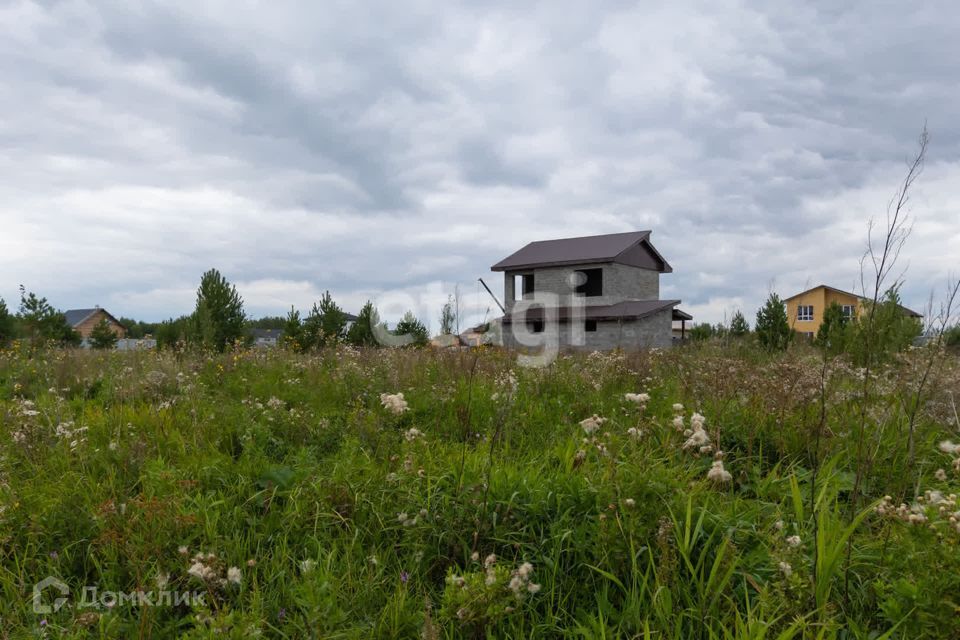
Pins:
<point x="702" y="492"/>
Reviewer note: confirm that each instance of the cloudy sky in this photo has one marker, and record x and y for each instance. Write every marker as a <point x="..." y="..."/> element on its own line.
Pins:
<point x="391" y="151"/>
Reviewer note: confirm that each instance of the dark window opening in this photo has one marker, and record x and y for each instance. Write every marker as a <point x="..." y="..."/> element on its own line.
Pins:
<point x="535" y="326"/>
<point x="526" y="285"/>
<point x="591" y="282"/>
<point x="590" y="325"/>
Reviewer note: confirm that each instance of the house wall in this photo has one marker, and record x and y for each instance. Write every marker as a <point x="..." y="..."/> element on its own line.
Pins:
<point x="620" y="282"/>
<point x="85" y="328"/>
<point x="820" y="298"/>
<point x="653" y="331"/>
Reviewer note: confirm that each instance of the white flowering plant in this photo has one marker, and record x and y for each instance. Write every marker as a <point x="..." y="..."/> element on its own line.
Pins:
<point x="487" y="592"/>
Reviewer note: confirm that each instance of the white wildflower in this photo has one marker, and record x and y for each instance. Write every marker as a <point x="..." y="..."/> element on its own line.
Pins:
<point x="698" y="438"/>
<point x="306" y="566"/>
<point x="718" y="474"/>
<point x="394" y="403"/>
<point x="233" y="575"/>
<point x="697" y="420"/>
<point x="948" y="447"/>
<point x="634" y="433"/>
<point x="630" y="502"/>
<point x="940" y="475"/>
<point x="412" y="434"/>
<point x="490" y="560"/>
<point x="637" y="398"/>
<point x="786" y="569"/>
<point x="201" y="571"/>
<point x="592" y="423"/>
<point x="793" y="541"/>
<point x="677" y="407"/>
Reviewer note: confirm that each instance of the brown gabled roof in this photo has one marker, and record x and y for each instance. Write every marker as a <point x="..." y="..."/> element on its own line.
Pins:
<point x="633" y="248"/>
<point x="626" y="310"/>
<point x="78" y="316"/>
<point x="906" y="311"/>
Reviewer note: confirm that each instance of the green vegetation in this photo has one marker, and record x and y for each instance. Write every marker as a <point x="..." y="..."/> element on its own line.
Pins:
<point x="773" y="329"/>
<point x="102" y="336"/>
<point x="7" y="324"/>
<point x="218" y="320"/>
<point x="403" y="493"/>
<point x="326" y="325"/>
<point x="738" y="325"/>
<point x="411" y="330"/>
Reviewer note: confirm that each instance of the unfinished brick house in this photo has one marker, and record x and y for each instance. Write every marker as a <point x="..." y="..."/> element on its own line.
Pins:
<point x="595" y="292"/>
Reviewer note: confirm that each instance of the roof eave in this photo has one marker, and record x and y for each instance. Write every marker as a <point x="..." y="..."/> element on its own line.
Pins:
<point x="543" y="265"/>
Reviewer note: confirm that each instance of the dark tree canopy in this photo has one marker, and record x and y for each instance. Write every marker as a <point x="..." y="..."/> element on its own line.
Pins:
<point x="773" y="329"/>
<point x="411" y="327"/>
<point x="738" y="325"/>
<point x="218" y="320"/>
<point x="103" y="336"/>
<point x="42" y="324"/>
<point x="361" y="332"/>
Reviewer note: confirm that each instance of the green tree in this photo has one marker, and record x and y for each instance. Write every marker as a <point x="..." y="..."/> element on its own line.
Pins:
<point x="218" y="319"/>
<point x="448" y="317"/>
<point x="102" y="336"/>
<point x="292" y="337"/>
<point x="42" y="323"/>
<point x="773" y="330"/>
<point x="701" y="331"/>
<point x="173" y="331"/>
<point x="7" y="324"/>
<point x="893" y="329"/>
<point x="268" y="322"/>
<point x="833" y="332"/>
<point x="951" y="337"/>
<point x="361" y="332"/>
<point x="325" y="325"/>
<point x="410" y="326"/>
<point x="738" y="325"/>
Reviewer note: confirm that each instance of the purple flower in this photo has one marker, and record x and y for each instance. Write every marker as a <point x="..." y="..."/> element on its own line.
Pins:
<point x="54" y="555"/>
<point x="281" y="614"/>
<point x="404" y="576"/>
<point x="43" y="622"/>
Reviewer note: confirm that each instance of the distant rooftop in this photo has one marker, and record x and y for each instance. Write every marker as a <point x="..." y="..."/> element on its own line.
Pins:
<point x="906" y="311"/>
<point x="76" y="316"/>
<point x="633" y="248"/>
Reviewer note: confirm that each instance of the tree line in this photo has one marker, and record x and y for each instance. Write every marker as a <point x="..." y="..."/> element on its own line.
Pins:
<point x="219" y="322"/>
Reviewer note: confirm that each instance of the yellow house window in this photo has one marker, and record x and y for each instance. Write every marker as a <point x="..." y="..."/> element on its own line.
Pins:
<point x="804" y="312"/>
<point x="847" y="310"/>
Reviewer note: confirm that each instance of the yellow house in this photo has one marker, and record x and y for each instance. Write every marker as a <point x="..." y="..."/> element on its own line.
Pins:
<point x="805" y="309"/>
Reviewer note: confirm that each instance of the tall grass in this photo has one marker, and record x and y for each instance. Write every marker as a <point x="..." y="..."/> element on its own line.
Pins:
<point x="344" y="523"/>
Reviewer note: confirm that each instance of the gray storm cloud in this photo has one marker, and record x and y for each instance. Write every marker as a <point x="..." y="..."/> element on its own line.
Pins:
<point x="377" y="148"/>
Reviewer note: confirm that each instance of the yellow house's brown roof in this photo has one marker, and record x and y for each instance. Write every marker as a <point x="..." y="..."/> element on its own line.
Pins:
<point x="909" y="312"/>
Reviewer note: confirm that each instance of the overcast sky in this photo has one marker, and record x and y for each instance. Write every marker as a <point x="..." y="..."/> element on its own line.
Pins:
<point x="402" y="148"/>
